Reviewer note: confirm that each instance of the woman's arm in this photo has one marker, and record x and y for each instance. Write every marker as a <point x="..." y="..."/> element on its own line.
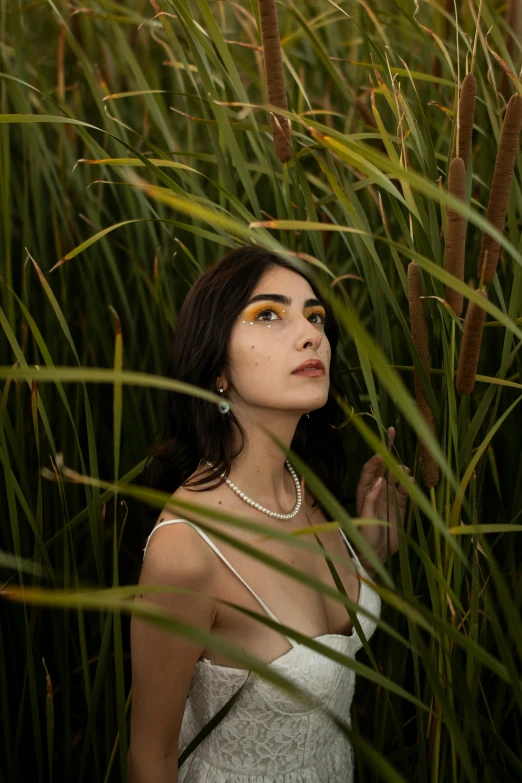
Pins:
<point x="163" y="662"/>
<point x="144" y="770"/>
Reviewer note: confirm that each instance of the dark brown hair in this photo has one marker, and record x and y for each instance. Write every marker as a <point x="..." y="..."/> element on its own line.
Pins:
<point x="194" y="428"/>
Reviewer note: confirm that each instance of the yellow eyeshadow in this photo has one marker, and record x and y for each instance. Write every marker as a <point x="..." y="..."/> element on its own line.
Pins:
<point x="250" y="313"/>
<point x="318" y="311"/>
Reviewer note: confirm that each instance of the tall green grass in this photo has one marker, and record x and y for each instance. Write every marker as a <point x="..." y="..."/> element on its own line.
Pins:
<point x="135" y="149"/>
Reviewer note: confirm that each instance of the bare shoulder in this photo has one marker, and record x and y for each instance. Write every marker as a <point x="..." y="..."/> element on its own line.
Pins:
<point x="177" y="551"/>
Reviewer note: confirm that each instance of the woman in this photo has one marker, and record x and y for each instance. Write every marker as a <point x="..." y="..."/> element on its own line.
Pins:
<point x="254" y="330"/>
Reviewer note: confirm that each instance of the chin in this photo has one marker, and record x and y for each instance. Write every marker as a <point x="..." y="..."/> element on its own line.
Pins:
<point x="315" y="404"/>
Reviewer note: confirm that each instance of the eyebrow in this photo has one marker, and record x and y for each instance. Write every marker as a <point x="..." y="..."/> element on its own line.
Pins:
<point x="282" y="299"/>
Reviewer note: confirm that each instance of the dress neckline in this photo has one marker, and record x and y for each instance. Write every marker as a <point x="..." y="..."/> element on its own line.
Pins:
<point x="353" y="635"/>
<point x="363" y="586"/>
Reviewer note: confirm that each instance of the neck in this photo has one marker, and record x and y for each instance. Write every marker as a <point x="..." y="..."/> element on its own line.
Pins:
<point x="260" y="470"/>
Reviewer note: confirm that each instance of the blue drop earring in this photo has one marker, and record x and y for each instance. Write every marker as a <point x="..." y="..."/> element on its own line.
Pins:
<point x="223" y="406"/>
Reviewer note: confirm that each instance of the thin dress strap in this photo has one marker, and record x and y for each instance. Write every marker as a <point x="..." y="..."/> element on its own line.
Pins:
<point x="216" y="550"/>
<point x="352" y="550"/>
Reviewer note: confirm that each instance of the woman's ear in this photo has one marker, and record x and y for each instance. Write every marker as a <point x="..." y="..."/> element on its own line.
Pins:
<point x="221" y="383"/>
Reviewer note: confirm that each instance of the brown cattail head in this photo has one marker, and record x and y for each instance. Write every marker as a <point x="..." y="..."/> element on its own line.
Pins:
<point x="455" y="233"/>
<point x="467" y="101"/>
<point x="470" y="346"/>
<point x="419" y="329"/>
<point x="500" y="187"/>
<point x="429" y="468"/>
<point x="419" y="333"/>
<point x="275" y="79"/>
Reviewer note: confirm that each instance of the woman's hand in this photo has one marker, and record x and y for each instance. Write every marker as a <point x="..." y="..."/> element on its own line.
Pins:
<point x="375" y="499"/>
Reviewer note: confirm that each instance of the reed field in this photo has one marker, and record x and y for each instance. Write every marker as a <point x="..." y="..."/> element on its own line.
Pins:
<point x="376" y="143"/>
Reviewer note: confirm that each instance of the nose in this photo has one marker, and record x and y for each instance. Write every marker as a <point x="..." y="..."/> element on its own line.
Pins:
<point x="308" y="334"/>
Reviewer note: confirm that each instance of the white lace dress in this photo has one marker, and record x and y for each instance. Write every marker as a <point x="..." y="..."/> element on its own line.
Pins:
<point x="268" y="737"/>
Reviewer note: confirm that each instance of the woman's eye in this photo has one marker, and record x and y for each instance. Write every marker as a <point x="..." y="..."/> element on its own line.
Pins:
<point x="263" y="312"/>
<point x="318" y="316"/>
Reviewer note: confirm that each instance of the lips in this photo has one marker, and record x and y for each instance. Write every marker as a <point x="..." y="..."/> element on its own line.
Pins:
<point x="310" y="365"/>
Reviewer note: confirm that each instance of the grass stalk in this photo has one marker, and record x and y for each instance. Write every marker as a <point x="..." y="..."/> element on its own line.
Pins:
<point x="436" y="745"/>
<point x="450" y="381"/>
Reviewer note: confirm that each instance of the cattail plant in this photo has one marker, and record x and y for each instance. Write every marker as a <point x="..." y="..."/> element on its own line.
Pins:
<point x="500" y="187"/>
<point x="513" y="18"/>
<point x="419" y="333"/>
<point x="470" y="346"/>
<point x="466" y="117"/>
<point x="275" y="79"/>
<point x="455" y="233"/>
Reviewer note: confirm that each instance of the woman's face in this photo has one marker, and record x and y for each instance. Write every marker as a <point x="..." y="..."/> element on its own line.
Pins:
<point x="274" y="335"/>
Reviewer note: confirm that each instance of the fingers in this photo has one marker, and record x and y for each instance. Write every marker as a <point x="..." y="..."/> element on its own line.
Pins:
<point x="368" y="506"/>
<point x="373" y="461"/>
<point x="393" y="481"/>
<point x="401" y="490"/>
<point x="391" y="437"/>
<point x="371" y="470"/>
<point x="375" y="467"/>
<point x="377" y="461"/>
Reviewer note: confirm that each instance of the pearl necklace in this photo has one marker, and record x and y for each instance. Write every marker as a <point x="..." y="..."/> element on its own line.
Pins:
<point x="259" y="507"/>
